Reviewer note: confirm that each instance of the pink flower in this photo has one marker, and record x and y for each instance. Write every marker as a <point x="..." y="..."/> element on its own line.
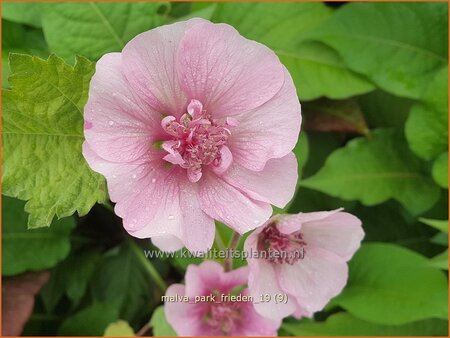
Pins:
<point x="191" y="122"/>
<point x="192" y="313"/>
<point x="304" y="257"/>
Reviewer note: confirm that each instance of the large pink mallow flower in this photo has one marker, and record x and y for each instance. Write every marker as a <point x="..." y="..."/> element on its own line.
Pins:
<point x="205" y="307"/>
<point x="191" y="122"/>
<point x="304" y="257"/>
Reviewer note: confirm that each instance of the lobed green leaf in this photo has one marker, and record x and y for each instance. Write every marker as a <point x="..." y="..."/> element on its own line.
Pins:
<point x="374" y="170"/>
<point x="42" y="137"/>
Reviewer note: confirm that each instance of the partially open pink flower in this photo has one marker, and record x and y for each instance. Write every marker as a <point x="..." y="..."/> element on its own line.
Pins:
<point x="192" y="122"/>
<point x="210" y="310"/>
<point x="304" y="257"/>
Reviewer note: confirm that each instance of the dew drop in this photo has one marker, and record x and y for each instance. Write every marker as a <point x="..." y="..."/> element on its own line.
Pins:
<point x="111" y="123"/>
<point x="171" y="217"/>
<point x="153" y="180"/>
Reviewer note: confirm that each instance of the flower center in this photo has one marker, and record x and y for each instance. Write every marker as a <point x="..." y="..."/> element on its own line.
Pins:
<point x="224" y="317"/>
<point x="197" y="141"/>
<point x="280" y="248"/>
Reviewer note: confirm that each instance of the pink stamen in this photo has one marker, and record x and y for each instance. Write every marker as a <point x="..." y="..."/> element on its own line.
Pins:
<point x="224" y="316"/>
<point x="290" y="247"/>
<point x="197" y="141"/>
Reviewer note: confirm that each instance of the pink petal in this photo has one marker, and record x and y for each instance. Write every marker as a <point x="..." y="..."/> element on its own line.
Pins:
<point x="262" y="280"/>
<point x="287" y="223"/>
<point x="174" y="158"/>
<point x="225" y="203"/>
<point x="155" y="201"/>
<point x="269" y="131"/>
<point x="256" y="325"/>
<point x="119" y="126"/>
<point x="167" y="243"/>
<point x="314" y="280"/>
<point x="198" y="228"/>
<point x="226" y="159"/>
<point x="201" y="279"/>
<point x="149" y="65"/>
<point x="275" y="184"/>
<point x="181" y="316"/>
<point x="340" y="233"/>
<point x="226" y="72"/>
<point x="195" y="109"/>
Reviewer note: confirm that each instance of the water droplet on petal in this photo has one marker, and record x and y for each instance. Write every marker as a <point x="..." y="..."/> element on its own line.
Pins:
<point x="153" y="180"/>
<point x="171" y="217"/>
<point x="111" y="123"/>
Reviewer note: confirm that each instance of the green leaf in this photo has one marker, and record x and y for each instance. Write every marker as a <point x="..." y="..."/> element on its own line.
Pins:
<point x="42" y="137"/>
<point x="374" y="170"/>
<point x="301" y="152"/>
<point x="437" y="224"/>
<point x="375" y="39"/>
<point x="344" y="324"/>
<point x="35" y="249"/>
<point x="440" y="239"/>
<point x="22" y="12"/>
<point x="91" y="321"/>
<point x="383" y="110"/>
<point x="92" y="29"/>
<point x="440" y="170"/>
<point x="132" y="289"/>
<point x="160" y="325"/>
<point x="314" y="67"/>
<point x="440" y="261"/>
<point x="18" y="39"/>
<point x="389" y="222"/>
<point x="427" y="126"/>
<point x="335" y="116"/>
<point x="392" y="285"/>
<point x="70" y="277"/>
<point x="120" y="328"/>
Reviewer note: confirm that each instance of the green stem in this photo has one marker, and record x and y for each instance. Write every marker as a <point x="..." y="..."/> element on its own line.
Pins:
<point x="234" y="242"/>
<point x="148" y="266"/>
<point x="219" y="241"/>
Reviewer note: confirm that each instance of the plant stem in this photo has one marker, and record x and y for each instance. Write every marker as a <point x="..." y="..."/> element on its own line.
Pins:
<point x="143" y="330"/>
<point x="147" y="264"/>
<point x="219" y="241"/>
<point x="232" y="245"/>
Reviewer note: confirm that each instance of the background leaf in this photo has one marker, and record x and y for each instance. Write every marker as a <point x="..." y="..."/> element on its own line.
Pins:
<point x="19" y="39"/>
<point x="42" y="136"/>
<point x="392" y="285"/>
<point x="92" y="29"/>
<point x="121" y="277"/>
<point x="440" y="170"/>
<point x="375" y="39"/>
<point x="314" y="67"/>
<point x="35" y="249"/>
<point x="91" y="321"/>
<point x="335" y="116"/>
<point x="27" y="13"/>
<point x="119" y="329"/>
<point x="344" y="324"/>
<point x="160" y="325"/>
<point x="375" y="169"/>
<point x="427" y="126"/>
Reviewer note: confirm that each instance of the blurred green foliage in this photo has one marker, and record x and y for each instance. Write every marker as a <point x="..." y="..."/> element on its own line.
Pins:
<point x="372" y="80"/>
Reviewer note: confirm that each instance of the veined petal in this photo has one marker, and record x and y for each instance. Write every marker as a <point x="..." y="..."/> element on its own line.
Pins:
<point x="269" y="131"/>
<point x="275" y="184"/>
<point x="226" y="72"/>
<point x="225" y="203"/>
